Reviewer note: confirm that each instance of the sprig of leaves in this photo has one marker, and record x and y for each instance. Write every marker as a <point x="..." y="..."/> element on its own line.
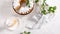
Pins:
<point x="28" y="4"/>
<point x="43" y="8"/>
<point x="25" y="32"/>
<point x="50" y="9"/>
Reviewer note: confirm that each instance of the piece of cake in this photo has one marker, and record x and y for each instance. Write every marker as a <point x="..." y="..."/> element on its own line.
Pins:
<point x="12" y="23"/>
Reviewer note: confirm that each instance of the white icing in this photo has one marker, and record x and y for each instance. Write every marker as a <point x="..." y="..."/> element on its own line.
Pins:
<point x="23" y="9"/>
<point x="16" y="3"/>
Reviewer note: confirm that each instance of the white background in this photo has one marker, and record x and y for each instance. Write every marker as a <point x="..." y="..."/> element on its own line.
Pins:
<point x="52" y="27"/>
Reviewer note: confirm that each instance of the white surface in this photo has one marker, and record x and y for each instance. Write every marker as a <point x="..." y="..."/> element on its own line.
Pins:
<point x="53" y="27"/>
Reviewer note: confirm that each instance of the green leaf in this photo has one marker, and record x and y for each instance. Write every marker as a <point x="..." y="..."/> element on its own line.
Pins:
<point x="26" y="32"/>
<point x="44" y="12"/>
<point x="44" y="1"/>
<point x="52" y="9"/>
<point x="28" y="4"/>
<point x="36" y="1"/>
<point x="43" y="4"/>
